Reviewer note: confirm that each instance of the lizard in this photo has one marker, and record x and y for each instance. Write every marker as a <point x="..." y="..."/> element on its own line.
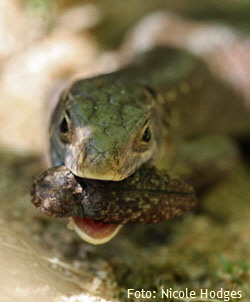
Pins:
<point x="108" y="126"/>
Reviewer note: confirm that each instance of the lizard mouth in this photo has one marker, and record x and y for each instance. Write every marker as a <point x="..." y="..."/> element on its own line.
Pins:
<point x="92" y="231"/>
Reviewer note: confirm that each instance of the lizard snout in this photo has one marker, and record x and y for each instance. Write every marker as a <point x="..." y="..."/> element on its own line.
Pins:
<point x="94" y="164"/>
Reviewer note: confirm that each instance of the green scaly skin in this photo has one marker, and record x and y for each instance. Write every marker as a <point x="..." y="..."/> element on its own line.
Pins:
<point x="99" y="126"/>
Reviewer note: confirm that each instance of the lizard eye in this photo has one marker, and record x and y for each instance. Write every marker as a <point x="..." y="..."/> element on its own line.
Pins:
<point x="142" y="141"/>
<point x="146" y="137"/>
<point x="64" y="129"/>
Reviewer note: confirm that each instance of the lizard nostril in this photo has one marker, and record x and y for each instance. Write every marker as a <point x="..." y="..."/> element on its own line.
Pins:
<point x="116" y="161"/>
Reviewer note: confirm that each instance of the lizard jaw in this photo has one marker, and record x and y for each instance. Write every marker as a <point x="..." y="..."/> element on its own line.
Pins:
<point x="93" y="232"/>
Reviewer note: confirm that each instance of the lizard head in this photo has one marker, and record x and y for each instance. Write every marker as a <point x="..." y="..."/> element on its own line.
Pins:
<point x="103" y="130"/>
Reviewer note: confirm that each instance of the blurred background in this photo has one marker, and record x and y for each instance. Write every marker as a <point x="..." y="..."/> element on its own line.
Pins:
<point x="45" y="44"/>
